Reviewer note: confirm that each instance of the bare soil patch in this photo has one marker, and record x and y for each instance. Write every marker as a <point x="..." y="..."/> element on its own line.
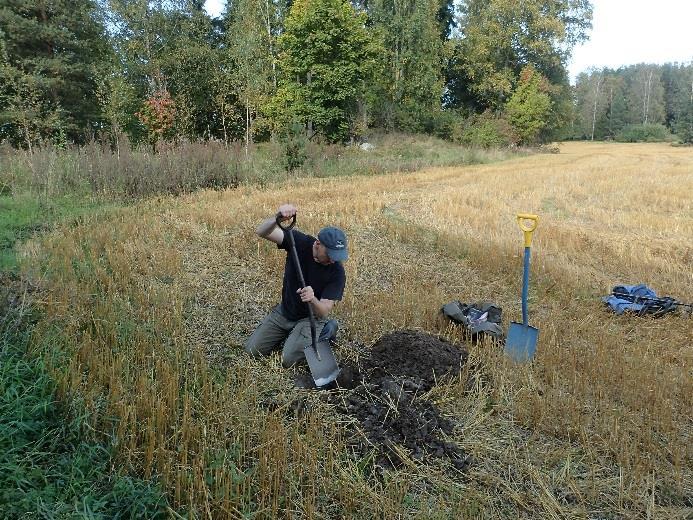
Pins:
<point x="384" y="399"/>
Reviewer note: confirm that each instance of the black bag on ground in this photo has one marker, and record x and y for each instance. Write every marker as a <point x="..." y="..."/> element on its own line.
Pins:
<point x="483" y="318"/>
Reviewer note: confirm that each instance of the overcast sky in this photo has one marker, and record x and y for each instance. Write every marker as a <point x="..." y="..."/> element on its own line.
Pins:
<point x="624" y="32"/>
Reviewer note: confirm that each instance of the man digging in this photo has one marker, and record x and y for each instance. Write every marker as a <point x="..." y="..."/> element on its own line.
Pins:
<point x="321" y="262"/>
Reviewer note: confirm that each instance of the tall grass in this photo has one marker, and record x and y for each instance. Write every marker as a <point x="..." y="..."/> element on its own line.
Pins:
<point x="96" y="171"/>
<point x="48" y="469"/>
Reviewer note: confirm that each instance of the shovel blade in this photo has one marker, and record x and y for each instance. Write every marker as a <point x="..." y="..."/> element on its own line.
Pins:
<point x="521" y="342"/>
<point x="324" y="370"/>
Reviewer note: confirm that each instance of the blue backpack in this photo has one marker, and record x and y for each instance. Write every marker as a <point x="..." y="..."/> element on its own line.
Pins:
<point x="640" y="300"/>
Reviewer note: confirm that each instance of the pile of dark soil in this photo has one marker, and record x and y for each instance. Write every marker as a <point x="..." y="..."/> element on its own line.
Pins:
<point x="416" y="356"/>
<point x="383" y="396"/>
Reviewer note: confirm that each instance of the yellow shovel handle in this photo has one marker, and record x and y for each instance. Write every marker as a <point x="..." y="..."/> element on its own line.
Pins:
<point x="522" y="219"/>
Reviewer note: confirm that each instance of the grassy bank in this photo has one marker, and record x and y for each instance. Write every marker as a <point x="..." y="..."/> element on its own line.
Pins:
<point x="94" y="171"/>
<point x="48" y="468"/>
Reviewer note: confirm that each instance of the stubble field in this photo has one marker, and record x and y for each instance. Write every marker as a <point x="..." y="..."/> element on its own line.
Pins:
<point x="149" y="307"/>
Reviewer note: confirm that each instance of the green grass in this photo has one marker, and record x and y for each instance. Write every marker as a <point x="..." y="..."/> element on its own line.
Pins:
<point x="47" y="468"/>
<point x="24" y="214"/>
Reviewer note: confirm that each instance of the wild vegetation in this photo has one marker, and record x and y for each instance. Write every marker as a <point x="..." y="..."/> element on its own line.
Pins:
<point x="148" y="306"/>
<point x="156" y="71"/>
<point x="52" y="465"/>
<point x="152" y="72"/>
<point x="50" y="469"/>
<point x="140" y="143"/>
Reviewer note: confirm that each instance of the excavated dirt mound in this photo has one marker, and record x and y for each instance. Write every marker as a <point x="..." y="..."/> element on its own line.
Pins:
<point x="420" y="357"/>
<point x="383" y="397"/>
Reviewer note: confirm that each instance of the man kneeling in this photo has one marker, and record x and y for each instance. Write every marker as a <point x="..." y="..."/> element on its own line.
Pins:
<point x="321" y="262"/>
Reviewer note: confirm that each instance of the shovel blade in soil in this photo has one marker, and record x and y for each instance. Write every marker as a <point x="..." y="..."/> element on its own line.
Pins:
<point x="324" y="370"/>
<point x="521" y="343"/>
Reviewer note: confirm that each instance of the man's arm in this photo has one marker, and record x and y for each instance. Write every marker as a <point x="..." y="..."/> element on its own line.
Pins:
<point x="269" y="229"/>
<point x="321" y="307"/>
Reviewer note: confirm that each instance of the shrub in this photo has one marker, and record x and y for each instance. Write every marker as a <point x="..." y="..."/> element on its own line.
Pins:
<point x="487" y="131"/>
<point x="529" y="106"/>
<point x="647" y="133"/>
<point x="444" y="124"/>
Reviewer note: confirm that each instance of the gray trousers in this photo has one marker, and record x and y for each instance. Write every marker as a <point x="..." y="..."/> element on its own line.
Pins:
<point x="274" y="329"/>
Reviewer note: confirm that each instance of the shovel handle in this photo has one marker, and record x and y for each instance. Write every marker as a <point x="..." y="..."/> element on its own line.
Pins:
<point x="527" y="229"/>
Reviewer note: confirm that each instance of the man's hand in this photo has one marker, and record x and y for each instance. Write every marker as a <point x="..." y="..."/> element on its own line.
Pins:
<point x="307" y="295"/>
<point x="287" y="211"/>
<point x="321" y="307"/>
<point x="269" y="229"/>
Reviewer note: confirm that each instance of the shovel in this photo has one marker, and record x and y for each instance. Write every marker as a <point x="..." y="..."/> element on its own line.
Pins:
<point x="321" y="361"/>
<point x="521" y="343"/>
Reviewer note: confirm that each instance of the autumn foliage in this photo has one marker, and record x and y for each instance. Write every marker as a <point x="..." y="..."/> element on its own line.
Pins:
<point x="158" y="115"/>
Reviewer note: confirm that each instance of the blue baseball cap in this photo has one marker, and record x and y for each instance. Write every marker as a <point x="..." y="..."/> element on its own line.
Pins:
<point x="335" y="241"/>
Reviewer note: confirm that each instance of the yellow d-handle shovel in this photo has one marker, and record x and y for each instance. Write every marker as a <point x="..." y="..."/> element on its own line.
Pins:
<point x="321" y="361"/>
<point x="521" y="343"/>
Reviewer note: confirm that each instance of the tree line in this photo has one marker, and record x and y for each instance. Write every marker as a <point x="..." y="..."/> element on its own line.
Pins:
<point x="635" y="103"/>
<point x="482" y="71"/>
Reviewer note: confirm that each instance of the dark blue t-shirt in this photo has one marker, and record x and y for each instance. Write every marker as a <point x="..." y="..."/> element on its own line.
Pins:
<point x="327" y="281"/>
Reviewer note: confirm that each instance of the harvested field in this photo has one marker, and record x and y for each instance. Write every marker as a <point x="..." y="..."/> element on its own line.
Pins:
<point x="153" y="303"/>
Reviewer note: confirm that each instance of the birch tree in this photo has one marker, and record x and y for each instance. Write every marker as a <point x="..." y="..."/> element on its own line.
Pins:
<point x="589" y="89"/>
<point x="645" y="94"/>
<point x="250" y="43"/>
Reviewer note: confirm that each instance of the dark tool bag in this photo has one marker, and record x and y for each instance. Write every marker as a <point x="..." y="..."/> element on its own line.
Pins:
<point x="478" y="318"/>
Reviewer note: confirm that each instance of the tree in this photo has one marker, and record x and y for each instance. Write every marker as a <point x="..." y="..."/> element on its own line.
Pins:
<point x="25" y="117"/>
<point x="170" y="46"/>
<point x="324" y="54"/>
<point x="408" y="89"/>
<point x="683" y="123"/>
<point x="158" y="116"/>
<point x="49" y="53"/>
<point x="529" y="106"/>
<point x="644" y="94"/>
<point x="591" y="100"/>
<point x="250" y="41"/>
<point x="500" y="37"/>
<point x="678" y="92"/>
<point x="119" y="103"/>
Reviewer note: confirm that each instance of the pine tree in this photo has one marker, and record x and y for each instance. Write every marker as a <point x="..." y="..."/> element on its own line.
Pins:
<point x="49" y="54"/>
